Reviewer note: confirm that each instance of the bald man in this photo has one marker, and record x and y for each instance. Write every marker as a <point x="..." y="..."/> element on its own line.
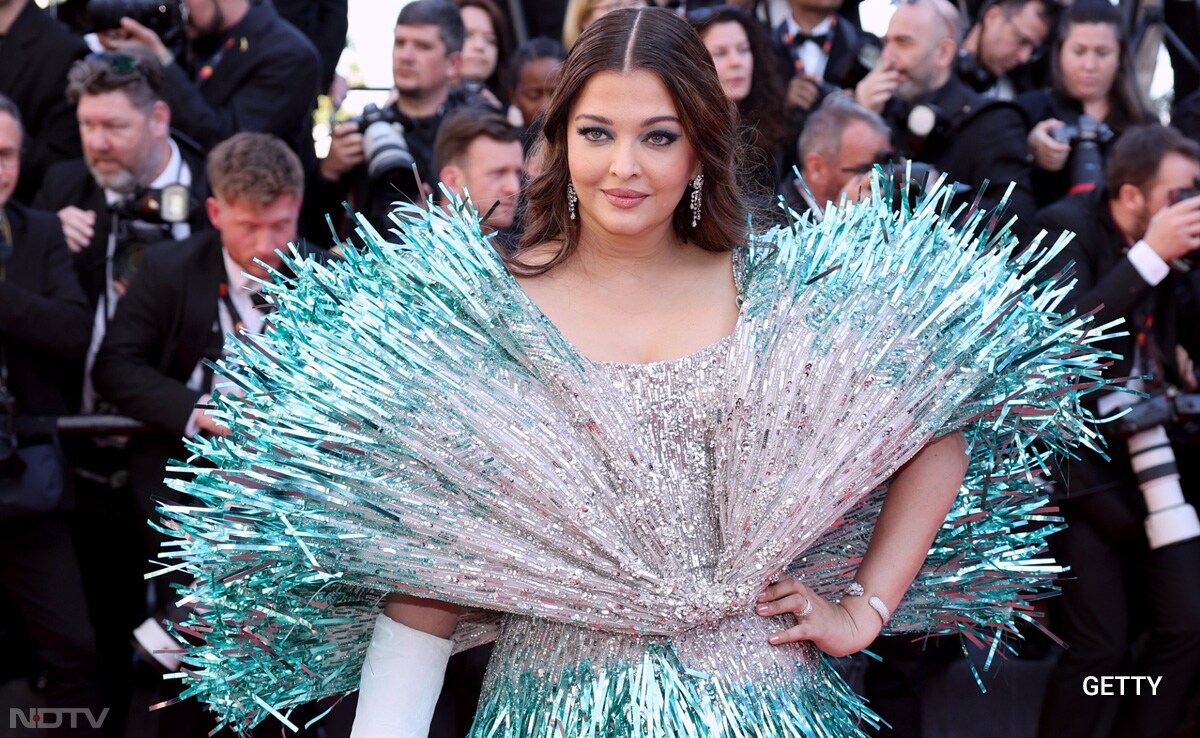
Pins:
<point x="936" y="118"/>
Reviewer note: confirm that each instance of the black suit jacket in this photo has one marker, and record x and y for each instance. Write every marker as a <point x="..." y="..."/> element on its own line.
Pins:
<point x="70" y="183"/>
<point x="1108" y="283"/>
<point x="324" y="22"/>
<point x="162" y="328"/>
<point x="980" y="141"/>
<point x="35" y="56"/>
<point x="44" y="321"/>
<point x="160" y="331"/>
<point x="262" y="75"/>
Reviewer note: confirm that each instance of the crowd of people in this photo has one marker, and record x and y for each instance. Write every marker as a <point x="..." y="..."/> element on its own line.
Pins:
<point x="151" y="175"/>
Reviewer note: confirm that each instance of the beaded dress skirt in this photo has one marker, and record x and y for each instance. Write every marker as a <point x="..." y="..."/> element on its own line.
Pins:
<point x="412" y="423"/>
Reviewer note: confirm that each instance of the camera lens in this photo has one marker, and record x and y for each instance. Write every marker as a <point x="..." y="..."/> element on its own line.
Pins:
<point x="386" y="151"/>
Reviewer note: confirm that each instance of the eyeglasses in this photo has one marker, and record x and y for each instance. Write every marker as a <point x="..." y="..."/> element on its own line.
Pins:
<point x="882" y="158"/>
<point x="1024" y="39"/>
<point x="121" y="64"/>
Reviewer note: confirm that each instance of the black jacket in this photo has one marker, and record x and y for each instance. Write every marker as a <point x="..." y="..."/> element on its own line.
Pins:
<point x="163" y="327"/>
<point x="44" y="321"/>
<point x="976" y="141"/>
<point x="261" y="75"/>
<point x="324" y="22"/>
<point x="1108" y="283"/>
<point x="70" y="183"/>
<point x="35" y="56"/>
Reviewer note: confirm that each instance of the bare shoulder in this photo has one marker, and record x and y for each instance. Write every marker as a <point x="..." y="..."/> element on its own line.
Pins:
<point x="535" y="257"/>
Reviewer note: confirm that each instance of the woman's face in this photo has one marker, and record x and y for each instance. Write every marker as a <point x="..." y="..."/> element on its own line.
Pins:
<point x="535" y="86"/>
<point x="481" y="48"/>
<point x="629" y="158"/>
<point x="730" y="50"/>
<point x="1089" y="59"/>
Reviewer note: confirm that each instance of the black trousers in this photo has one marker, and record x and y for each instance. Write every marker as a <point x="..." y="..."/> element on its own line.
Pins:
<point x="1116" y="588"/>
<point x="40" y="573"/>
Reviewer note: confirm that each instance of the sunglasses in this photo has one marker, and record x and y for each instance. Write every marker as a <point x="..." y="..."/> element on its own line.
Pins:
<point x="121" y="64"/>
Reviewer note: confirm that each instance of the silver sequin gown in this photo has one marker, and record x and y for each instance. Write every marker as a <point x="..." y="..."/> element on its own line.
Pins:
<point x="411" y="422"/>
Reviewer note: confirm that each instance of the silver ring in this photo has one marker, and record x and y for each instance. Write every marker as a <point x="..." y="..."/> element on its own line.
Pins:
<point x="808" y="608"/>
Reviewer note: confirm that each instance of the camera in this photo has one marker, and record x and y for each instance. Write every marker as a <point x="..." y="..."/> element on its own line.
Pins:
<point x="1086" y="166"/>
<point x="384" y="146"/>
<point x="1143" y="427"/>
<point x="1186" y="194"/>
<point x="1161" y="408"/>
<point x="171" y="204"/>
<point x="1190" y="260"/>
<point x="143" y="218"/>
<point x="167" y="18"/>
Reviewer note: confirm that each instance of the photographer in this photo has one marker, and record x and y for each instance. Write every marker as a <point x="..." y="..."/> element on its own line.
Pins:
<point x="183" y="301"/>
<point x="1090" y="76"/>
<point x="43" y="324"/>
<point x="370" y="160"/>
<point x="479" y="156"/>
<point x="35" y="54"/>
<point x="821" y="51"/>
<point x="840" y="146"/>
<point x="938" y="120"/>
<point x="1006" y="37"/>
<point x="135" y="185"/>
<point x="1122" y="579"/>
<point x="111" y="202"/>
<point x="245" y="69"/>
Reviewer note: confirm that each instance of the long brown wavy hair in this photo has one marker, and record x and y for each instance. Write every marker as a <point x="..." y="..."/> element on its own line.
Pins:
<point x="658" y="41"/>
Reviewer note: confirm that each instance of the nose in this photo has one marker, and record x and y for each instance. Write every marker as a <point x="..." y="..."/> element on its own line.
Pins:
<point x="96" y="140"/>
<point x="511" y="185"/>
<point x="625" y="162"/>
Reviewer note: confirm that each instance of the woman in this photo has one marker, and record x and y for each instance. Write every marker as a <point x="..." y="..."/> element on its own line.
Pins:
<point x="741" y="52"/>
<point x="485" y="48"/>
<point x="1091" y="75"/>
<point x="534" y="76"/>
<point x="582" y="13"/>
<point x="617" y="445"/>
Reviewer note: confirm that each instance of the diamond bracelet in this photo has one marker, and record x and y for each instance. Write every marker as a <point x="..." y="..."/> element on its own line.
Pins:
<point x="854" y="589"/>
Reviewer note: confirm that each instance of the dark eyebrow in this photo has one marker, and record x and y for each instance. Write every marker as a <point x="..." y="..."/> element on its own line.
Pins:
<point x="645" y="123"/>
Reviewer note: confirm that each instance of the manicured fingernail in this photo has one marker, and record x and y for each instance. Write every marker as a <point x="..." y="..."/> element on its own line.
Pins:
<point x="773" y="639"/>
<point x="762" y="609"/>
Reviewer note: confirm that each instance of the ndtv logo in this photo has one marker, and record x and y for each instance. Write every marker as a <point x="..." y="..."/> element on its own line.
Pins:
<point x="54" y="717"/>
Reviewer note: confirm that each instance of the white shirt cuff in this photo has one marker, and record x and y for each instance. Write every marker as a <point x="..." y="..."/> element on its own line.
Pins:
<point x="1148" y="264"/>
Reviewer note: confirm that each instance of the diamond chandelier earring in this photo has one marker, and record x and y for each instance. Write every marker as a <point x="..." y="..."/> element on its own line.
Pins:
<point x="697" y="183"/>
<point x="572" y="198"/>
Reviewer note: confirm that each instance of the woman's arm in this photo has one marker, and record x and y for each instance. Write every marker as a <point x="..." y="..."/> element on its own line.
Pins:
<point x="403" y="671"/>
<point x="917" y="502"/>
